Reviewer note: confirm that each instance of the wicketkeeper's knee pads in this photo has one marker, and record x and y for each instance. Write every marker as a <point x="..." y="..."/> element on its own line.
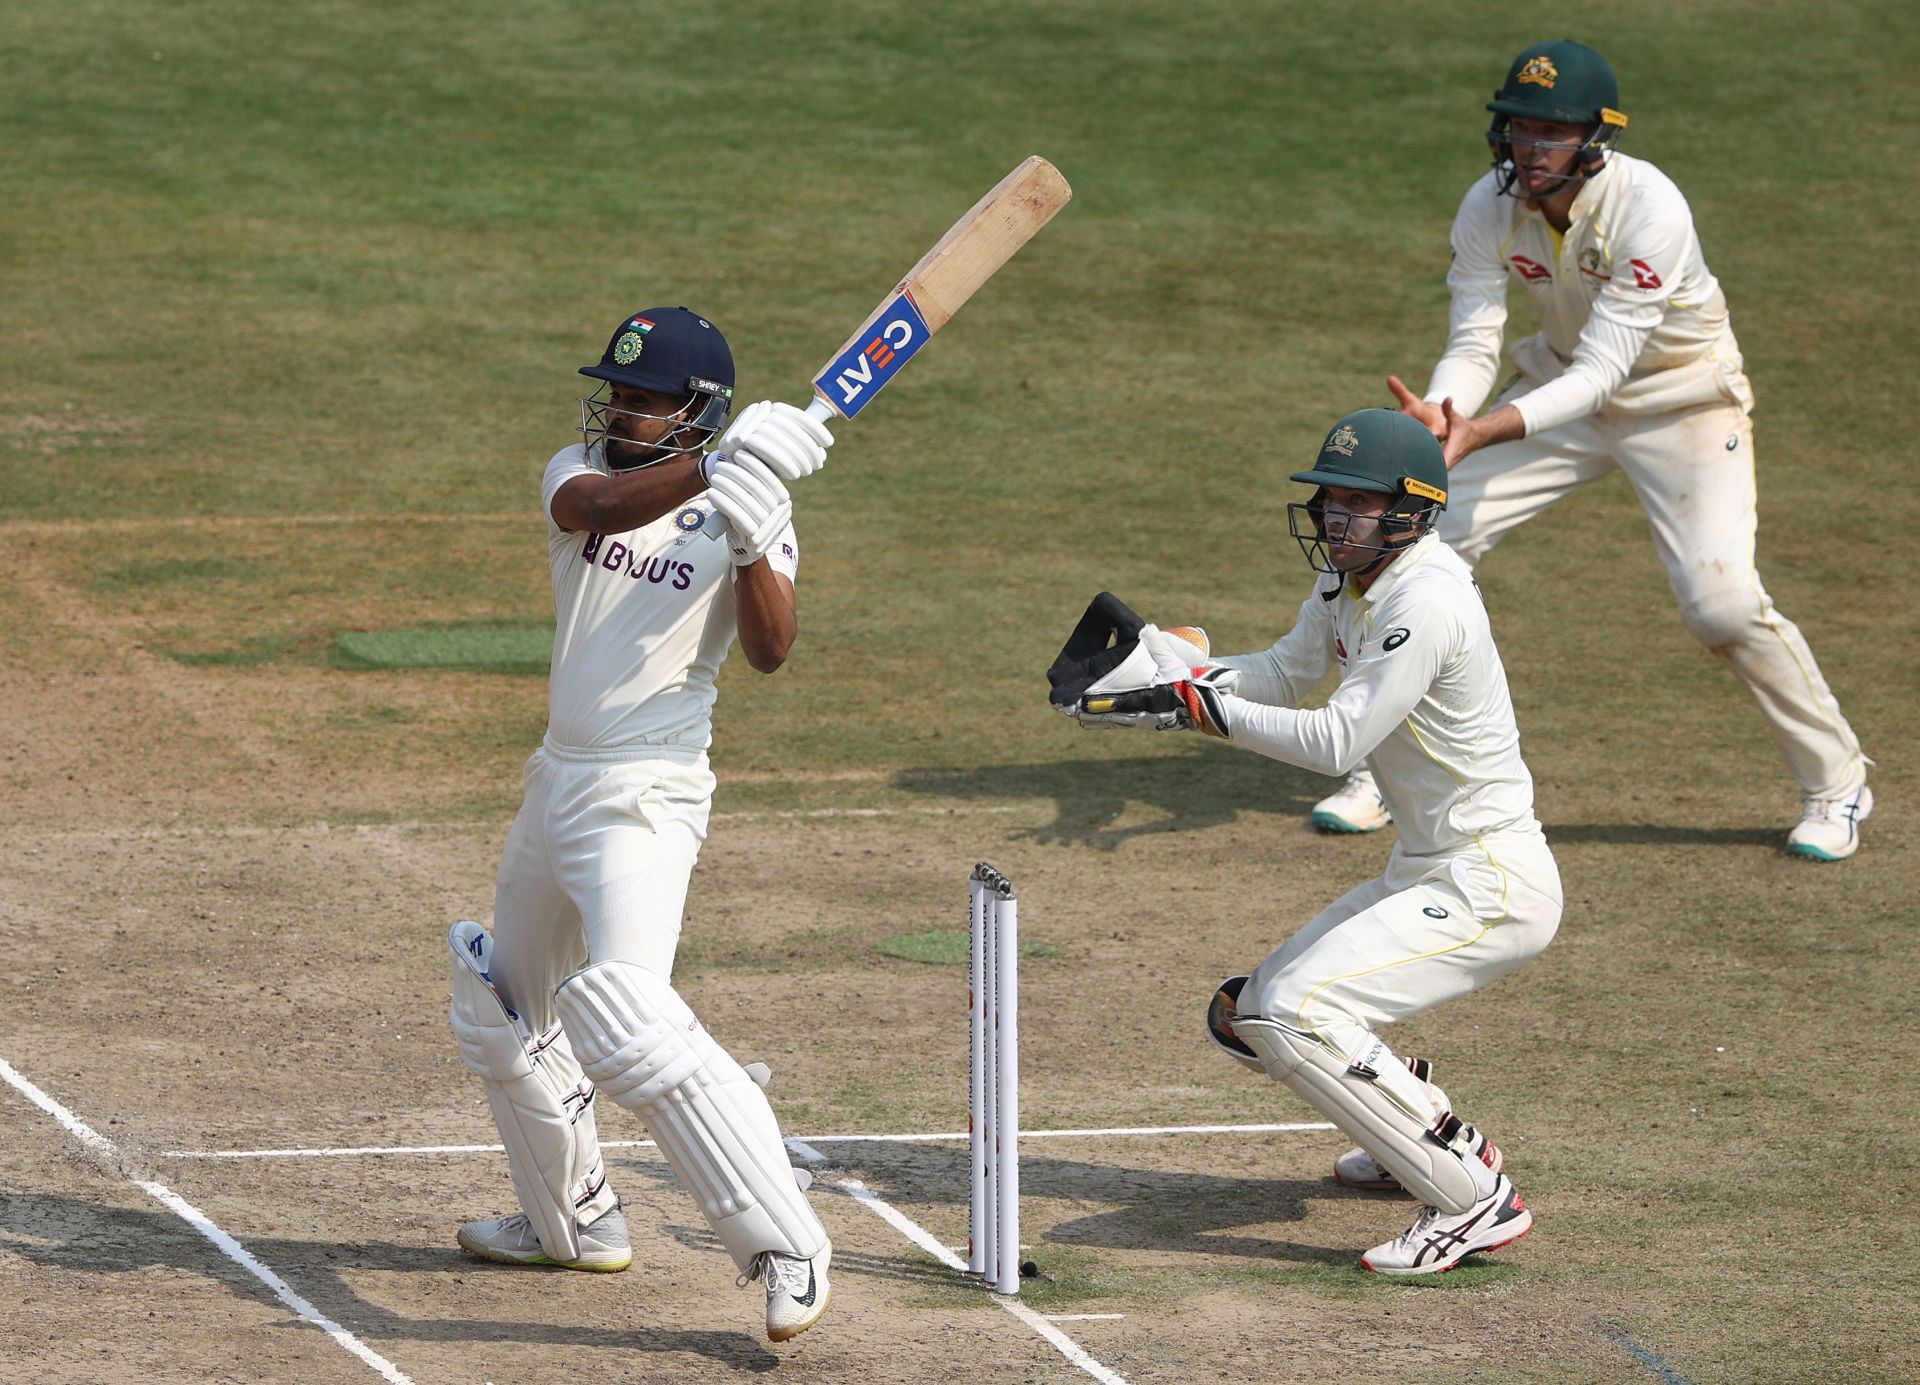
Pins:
<point x="541" y="1101"/>
<point x="1376" y="1100"/>
<point x="644" y="1047"/>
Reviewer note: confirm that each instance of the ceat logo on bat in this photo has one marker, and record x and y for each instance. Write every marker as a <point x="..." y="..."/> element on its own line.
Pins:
<point x="851" y="380"/>
<point x="1530" y="270"/>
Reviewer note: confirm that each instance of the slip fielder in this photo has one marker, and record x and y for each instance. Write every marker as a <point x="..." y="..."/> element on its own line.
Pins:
<point x="1636" y="367"/>
<point x="1470" y="892"/>
<point x="660" y="556"/>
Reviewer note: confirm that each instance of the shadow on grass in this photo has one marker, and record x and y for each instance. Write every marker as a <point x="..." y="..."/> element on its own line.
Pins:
<point x="1205" y="787"/>
<point x="1167" y="1209"/>
<point x="63" y="1233"/>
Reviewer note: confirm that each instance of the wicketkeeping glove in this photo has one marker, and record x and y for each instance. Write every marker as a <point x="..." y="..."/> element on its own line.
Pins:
<point x="790" y="441"/>
<point x="1195" y="703"/>
<point x="756" y="506"/>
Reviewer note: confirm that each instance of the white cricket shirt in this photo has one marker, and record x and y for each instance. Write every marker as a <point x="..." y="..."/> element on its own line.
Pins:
<point x="1631" y="317"/>
<point x="643" y="621"/>
<point x="1422" y="698"/>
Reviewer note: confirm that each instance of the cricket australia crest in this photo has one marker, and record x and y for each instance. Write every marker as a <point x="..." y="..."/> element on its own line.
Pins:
<point x="1540" y="72"/>
<point x="1342" y="440"/>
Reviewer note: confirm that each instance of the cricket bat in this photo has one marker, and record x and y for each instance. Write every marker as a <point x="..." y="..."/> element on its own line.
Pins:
<point x="969" y="254"/>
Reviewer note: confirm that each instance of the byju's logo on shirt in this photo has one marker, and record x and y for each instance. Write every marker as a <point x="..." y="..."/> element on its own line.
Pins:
<point x="618" y="558"/>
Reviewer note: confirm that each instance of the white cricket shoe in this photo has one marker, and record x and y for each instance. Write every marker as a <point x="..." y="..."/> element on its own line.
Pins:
<point x="1356" y="806"/>
<point x="1437" y="1242"/>
<point x="604" y="1245"/>
<point x="1829" y="828"/>
<point x="797" y="1290"/>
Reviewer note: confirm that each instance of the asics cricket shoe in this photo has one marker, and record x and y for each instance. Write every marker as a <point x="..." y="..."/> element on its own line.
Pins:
<point x="1356" y="806"/>
<point x="797" y="1290"/>
<point x="1438" y="1241"/>
<point x="1829" y="828"/>
<point x="604" y="1245"/>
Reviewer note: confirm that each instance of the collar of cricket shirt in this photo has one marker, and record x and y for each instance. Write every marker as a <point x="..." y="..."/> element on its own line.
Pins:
<point x="1422" y="550"/>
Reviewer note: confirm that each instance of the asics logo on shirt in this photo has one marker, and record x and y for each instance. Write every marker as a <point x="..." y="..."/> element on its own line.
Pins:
<point x="619" y="558"/>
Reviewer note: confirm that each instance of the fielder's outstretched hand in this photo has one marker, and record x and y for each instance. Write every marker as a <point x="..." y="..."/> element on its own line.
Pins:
<point x="792" y="443"/>
<point x="1433" y="415"/>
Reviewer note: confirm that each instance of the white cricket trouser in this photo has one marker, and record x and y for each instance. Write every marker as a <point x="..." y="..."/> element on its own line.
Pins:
<point x="1430" y="929"/>
<point x="596" y="869"/>
<point x="1693" y="471"/>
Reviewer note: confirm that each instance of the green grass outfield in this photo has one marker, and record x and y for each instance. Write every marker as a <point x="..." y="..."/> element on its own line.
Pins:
<point x="312" y="281"/>
<point x="342" y="259"/>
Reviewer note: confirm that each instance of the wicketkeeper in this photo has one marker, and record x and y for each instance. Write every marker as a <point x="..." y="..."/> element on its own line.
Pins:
<point x="1470" y="892"/>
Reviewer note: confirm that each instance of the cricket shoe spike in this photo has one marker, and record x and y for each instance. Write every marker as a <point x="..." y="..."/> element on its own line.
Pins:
<point x="604" y="1245"/>
<point x="1437" y="1242"/>
<point x="797" y="1290"/>
<point x="1356" y="806"/>
<point x="1829" y="828"/>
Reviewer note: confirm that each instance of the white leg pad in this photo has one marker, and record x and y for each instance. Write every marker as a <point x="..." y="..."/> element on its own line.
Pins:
<point x="541" y="1100"/>
<point x="644" y="1047"/>
<point x="1375" y="1100"/>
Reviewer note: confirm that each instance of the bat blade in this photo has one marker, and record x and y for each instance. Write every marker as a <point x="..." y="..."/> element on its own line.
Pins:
<point x="969" y="254"/>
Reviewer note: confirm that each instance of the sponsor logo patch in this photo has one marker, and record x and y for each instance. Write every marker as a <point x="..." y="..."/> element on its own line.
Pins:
<point x="1395" y="638"/>
<point x="1531" y="270"/>
<point x="1434" y="913"/>
<point x="1643" y="275"/>
<point x="1423" y="490"/>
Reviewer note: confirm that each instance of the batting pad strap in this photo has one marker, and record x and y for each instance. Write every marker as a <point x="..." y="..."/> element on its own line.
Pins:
<point x="541" y="1101"/>
<point x="641" y="1045"/>
<point x="1375" y="1100"/>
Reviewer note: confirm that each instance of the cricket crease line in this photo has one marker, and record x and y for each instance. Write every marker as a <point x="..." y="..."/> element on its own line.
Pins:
<point x="925" y="1239"/>
<point x="107" y="1153"/>
<point x="800" y="1144"/>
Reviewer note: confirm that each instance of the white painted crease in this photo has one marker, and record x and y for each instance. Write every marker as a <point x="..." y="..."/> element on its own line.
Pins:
<point x="109" y="1154"/>
<point x="794" y="1142"/>
<point x="923" y="1238"/>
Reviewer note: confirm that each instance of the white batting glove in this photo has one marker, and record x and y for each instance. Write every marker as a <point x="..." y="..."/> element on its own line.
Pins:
<point x="756" y="506"/>
<point x="790" y="441"/>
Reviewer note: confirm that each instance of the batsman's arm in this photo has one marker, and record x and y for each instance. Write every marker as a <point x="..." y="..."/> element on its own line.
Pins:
<point x="595" y="503"/>
<point x="768" y="615"/>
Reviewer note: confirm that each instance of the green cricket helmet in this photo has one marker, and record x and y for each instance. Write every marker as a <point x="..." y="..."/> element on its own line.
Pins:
<point x="1383" y="451"/>
<point x="1566" y="83"/>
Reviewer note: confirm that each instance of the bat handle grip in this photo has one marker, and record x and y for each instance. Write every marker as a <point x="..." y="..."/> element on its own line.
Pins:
<point x="820" y="409"/>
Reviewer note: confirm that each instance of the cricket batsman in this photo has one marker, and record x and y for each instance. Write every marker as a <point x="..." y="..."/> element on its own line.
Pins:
<point x="662" y="554"/>
<point x="1470" y="891"/>
<point x="1635" y="367"/>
